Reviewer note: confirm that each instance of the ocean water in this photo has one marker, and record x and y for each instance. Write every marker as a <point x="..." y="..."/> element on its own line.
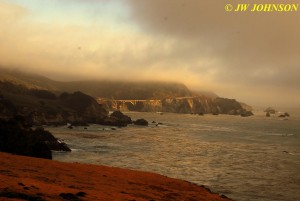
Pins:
<point x="254" y="158"/>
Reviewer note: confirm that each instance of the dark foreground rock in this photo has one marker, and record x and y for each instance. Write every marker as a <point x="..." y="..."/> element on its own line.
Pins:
<point x="17" y="138"/>
<point x="50" y="140"/>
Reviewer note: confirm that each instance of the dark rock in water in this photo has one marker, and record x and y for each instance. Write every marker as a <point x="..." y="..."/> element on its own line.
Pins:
<point x="268" y="114"/>
<point x="117" y="118"/>
<point x="247" y="114"/>
<point x="141" y="122"/>
<point x="120" y="116"/>
<point x="154" y="122"/>
<point x="284" y="115"/>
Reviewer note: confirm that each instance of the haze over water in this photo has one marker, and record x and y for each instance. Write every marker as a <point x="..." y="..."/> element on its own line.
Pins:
<point x="255" y="158"/>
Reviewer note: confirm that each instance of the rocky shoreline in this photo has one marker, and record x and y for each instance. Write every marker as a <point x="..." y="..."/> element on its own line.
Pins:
<point x="24" y="111"/>
<point x="24" y="178"/>
<point x="18" y="136"/>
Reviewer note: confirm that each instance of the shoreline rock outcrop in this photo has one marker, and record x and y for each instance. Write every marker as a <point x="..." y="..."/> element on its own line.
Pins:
<point x="17" y="137"/>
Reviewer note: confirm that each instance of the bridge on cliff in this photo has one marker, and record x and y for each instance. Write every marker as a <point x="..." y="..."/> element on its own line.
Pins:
<point x="101" y="100"/>
<point x="134" y="101"/>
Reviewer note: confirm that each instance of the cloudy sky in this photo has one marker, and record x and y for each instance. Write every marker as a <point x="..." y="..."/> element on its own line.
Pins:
<point x="253" y="57"/>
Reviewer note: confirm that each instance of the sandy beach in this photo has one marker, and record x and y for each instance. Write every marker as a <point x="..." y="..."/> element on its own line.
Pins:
<point x="26" y="178"/>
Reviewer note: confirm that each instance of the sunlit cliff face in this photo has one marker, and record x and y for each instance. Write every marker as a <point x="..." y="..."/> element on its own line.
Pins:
<point x="253" y="57"/>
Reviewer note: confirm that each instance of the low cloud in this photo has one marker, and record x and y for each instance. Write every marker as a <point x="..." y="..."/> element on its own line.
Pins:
<point x="254" y="51"/>
<point x="249" y="56"/>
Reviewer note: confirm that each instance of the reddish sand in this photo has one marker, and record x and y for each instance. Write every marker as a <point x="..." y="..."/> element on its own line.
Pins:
<point x="25" y="178"/>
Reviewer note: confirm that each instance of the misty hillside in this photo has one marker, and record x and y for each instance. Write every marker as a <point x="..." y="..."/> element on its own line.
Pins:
<point x="104" y="89"/>
<point x="128" y="90"/>
<point x="28" y="80"/>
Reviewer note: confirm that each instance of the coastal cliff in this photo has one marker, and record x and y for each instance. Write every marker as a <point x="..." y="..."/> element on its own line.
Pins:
<point x="193" y="105"/>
